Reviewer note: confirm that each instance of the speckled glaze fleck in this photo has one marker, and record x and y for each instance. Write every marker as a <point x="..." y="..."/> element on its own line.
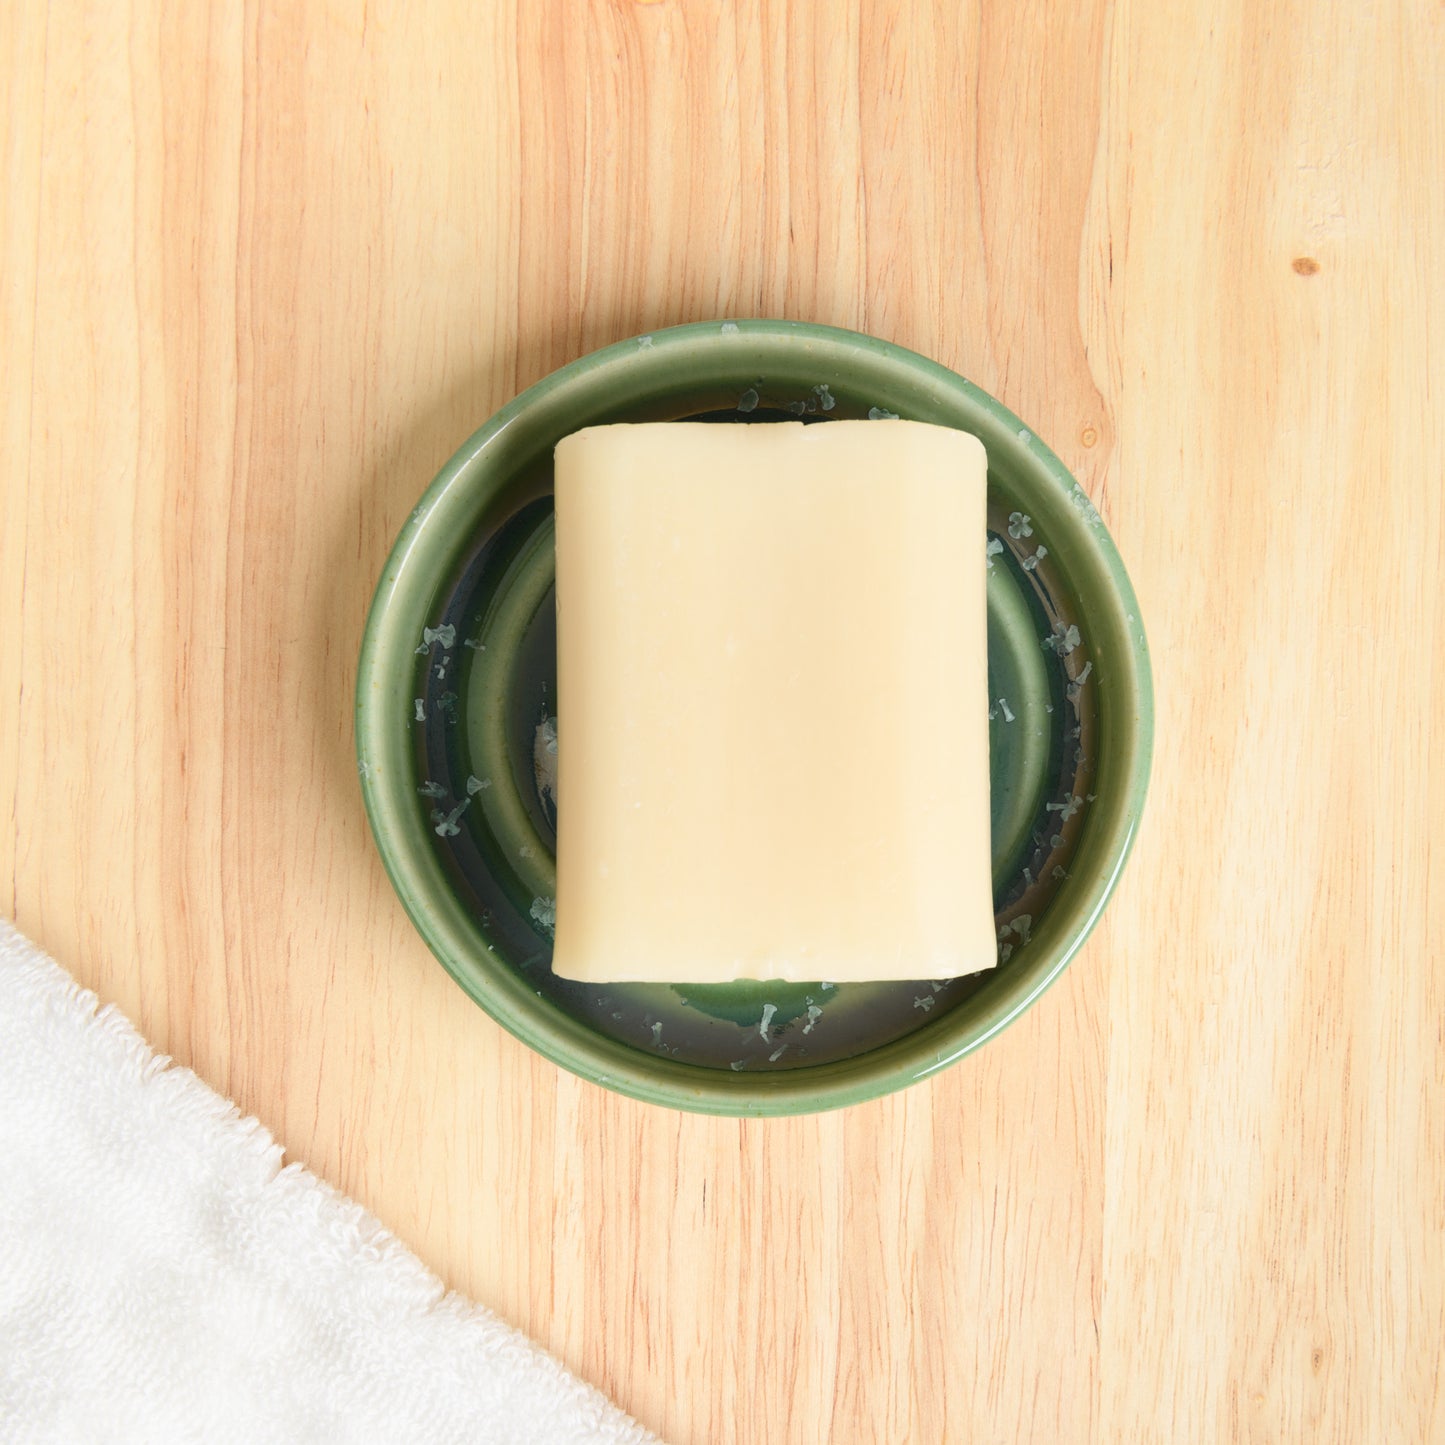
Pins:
<point x="1071" y="727"/>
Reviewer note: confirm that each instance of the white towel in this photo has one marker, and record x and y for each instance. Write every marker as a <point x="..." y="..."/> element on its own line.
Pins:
<point x="163" y="1278"/>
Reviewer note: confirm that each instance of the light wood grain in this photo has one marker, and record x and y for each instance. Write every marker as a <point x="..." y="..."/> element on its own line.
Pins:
<point x="262" y="267"/>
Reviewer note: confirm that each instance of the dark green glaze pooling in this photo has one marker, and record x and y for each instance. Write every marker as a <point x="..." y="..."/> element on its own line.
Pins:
<point x="475" y="566"/>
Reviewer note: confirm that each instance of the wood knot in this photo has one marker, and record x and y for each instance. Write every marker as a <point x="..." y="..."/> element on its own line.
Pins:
<point x="1305" y="266"/>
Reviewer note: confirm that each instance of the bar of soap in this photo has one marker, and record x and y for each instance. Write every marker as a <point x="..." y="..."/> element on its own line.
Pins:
<point x="772" y="703"/>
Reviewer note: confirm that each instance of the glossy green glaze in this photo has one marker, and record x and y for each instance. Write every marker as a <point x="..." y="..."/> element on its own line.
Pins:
<point x="457" y="680"/>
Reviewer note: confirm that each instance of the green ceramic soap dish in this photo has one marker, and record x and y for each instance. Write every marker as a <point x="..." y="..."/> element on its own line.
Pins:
<point x="457" y="741"/>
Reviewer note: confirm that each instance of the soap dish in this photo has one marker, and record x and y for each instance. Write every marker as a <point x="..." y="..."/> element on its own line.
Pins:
<point x="457" y="740"/>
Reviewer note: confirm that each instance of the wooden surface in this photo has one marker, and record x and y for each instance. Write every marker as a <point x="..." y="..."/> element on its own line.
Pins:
<point x="263" y="266"/>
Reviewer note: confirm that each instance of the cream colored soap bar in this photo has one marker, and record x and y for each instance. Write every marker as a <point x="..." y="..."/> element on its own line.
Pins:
<point x="772" y="703"/>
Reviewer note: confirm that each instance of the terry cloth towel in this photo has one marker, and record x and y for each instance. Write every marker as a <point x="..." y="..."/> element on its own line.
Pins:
<point x="163" y="1278"/>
